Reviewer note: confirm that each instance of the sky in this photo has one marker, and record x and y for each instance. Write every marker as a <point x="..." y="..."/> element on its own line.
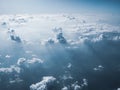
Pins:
<point x="58" y="6"/>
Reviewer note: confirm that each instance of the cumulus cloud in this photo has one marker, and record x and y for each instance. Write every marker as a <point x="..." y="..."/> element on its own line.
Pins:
<point x="22" y="61"/>
<point x="67" y="77"/>
<point x="98" y="68"/>
<point x="11" y="69"/>
<point x="69" y="17"/>
<point x="75" y="86"/>
<point x="13" y="36"/>
<point x="85" y="82"/>
<point x="65" y="88"/>
<point x="16" y="80"/>
<point x="118" y="88"/>
<point x="7" y="56"/>
<point x="77" y="30"/>
<point x="44" y="84"/>
<point x="59" y="35"/>
<point x="76" y="27"/>
<point x="34" y="60"/>
<point x="69" y="65"/>
<point x="61" y="39"/>
<point x="49" y="41"/>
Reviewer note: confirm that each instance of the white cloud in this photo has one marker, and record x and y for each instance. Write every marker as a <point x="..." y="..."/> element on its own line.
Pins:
<point x="78" y="28"/>
<point x="34" y="60"/>
<point x="118" y="89"/>
<point x="75" y="86"/>
<point x="43" y="85"/>
<point x="7" y="56"/>
<point x="69" y="65"/>
<point x="16" y="80"/>
<point x="65" y="88"/>
<point x="22" y="61"/>
<point x="28" y="52"/>
<point x="59" y="35"/>
<point x="66" y="77"/>
<point x="85" y="82"/>
<point x="11" y="69"/>
<point x="98" y="68"/>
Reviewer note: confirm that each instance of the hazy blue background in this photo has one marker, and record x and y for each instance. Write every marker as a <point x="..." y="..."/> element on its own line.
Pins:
<point x="58" y="6"/>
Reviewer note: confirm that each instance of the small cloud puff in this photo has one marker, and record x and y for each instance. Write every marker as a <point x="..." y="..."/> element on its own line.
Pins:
<point x="13" y="36"/>
<point x="75" y="86"/>
<point x="118" y="89"/>
<point x="85" y="82"/>
<point x="34" y="60"/>
<point x="16" y="80"/>
<point x="44" y="84"/>
<point x="64" y="88"/>
<point x="22" y="61"/>
<point x="7" y="56"/>
<point x="98" y="68"/>
<point x="69" y="65"/>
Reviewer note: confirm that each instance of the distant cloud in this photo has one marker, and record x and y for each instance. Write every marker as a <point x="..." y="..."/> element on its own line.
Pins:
<point x="75" y="86"/>
<point x="59" y="35"/>
<point x="7" y="56"/>
<point x="65" y="88"/>
<point x="11" y="69"/>
<point x="98" y="68"/>
<point x="34" y="60"/>
<point x="16" y="80"/>
<point x="118" y="89"/>
<point x="69" y="65"/>
<point x="23" y="61"/>
<point x="46" y="82"/>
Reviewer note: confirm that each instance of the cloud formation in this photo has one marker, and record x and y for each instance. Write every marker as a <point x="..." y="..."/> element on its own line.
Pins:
<point x="22" y="61"/>
<point x="44" y="84"/>
<point x="11" y="69"/>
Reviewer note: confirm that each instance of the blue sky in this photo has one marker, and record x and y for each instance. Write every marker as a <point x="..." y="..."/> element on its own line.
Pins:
<point x="58" y="6"/>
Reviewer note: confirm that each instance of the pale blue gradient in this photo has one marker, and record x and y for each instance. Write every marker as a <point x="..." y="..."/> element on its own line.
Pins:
<point x="58" y="6"/>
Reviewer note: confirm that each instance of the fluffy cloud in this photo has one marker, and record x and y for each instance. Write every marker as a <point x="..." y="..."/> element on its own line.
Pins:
<point x="75" y="86"/>
<point x="69" y="65"/>
<point x="59" y="35"/>
<point x="77" y="28"/>
<point x="118" y="89"/>
<point x="98" y="68"/>
<point x="34" y="60"/>
<point x="22" y="61"/>
<point x="44" y="84"/>
<point x="85" y="82"/>
<point x="7" y="56"/>
<point x="13" y="36"/>
<point x="67" y="77"/>
<point x="65" y="88"/>
<point x="16" y="80"/>
<point x="73" y="31"/>
<point x="11" y="69"/>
